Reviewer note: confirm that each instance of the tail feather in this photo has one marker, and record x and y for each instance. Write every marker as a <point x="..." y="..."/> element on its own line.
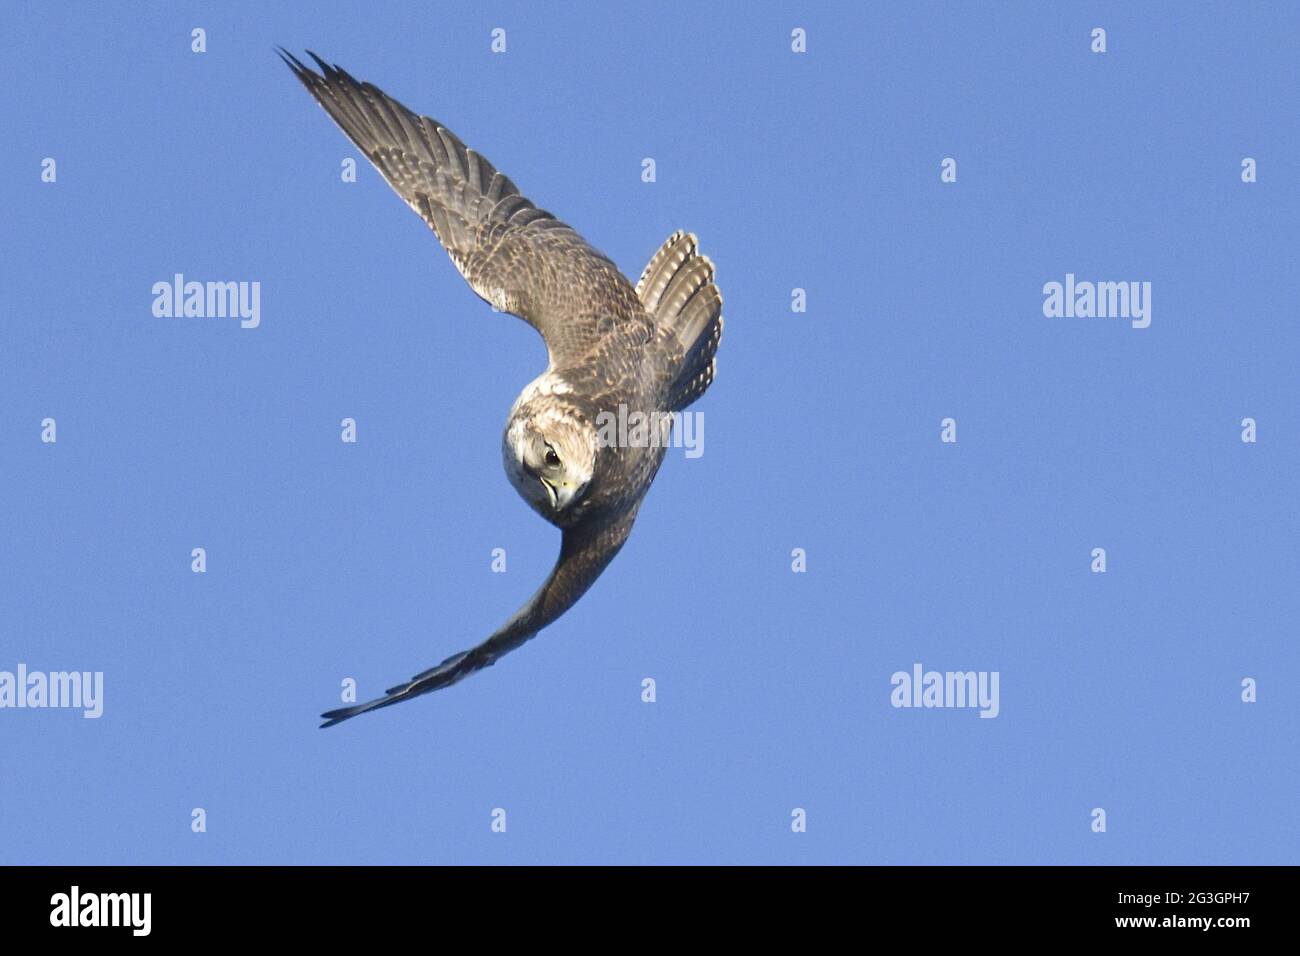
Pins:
<point x="659" y="271"/>
<point x="687" y="390"/>
<point x="677" y="288"/>
<point x="678" y="307"/>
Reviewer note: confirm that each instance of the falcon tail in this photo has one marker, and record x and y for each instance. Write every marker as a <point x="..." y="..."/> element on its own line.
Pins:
<point x="677" y="289"/>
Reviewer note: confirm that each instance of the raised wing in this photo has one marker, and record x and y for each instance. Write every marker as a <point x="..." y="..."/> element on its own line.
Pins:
<point x="585" y="552"/>
<point x="517" y="257"/>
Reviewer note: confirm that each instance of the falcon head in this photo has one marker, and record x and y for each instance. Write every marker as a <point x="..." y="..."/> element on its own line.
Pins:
<point x="550" y="456"/>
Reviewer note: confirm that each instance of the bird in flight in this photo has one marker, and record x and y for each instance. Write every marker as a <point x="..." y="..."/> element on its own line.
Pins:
<point x="614" y="349"/>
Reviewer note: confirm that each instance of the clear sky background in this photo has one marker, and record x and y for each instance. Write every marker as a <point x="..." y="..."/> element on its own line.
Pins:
<point x="818" y="171"/>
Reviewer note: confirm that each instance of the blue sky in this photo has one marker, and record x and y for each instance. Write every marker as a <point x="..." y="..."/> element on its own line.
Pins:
<point x="818" y="171"/>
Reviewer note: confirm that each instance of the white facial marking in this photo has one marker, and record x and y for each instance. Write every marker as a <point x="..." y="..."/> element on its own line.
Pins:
<point x="549" y="417"/>
<point x="548" y="383"/>
<point x="517" y="438"/>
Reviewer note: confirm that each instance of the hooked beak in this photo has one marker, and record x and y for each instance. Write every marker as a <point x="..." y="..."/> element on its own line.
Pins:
<point x="550" y="490"/>
<point x="561" y="495"/>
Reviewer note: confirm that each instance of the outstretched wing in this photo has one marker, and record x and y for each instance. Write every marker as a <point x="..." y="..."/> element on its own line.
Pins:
<point x="517" y="257"/>
<point x="585" y="552"/>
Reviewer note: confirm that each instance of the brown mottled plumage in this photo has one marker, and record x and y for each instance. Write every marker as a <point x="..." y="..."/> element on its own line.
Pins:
<point x="613" y="349"/>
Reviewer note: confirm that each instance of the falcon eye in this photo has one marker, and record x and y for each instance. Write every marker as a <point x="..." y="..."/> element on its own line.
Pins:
<point x="552" y="459"/>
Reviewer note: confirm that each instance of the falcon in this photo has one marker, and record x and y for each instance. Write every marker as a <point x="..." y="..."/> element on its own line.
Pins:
<point x="613" y="348"/>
